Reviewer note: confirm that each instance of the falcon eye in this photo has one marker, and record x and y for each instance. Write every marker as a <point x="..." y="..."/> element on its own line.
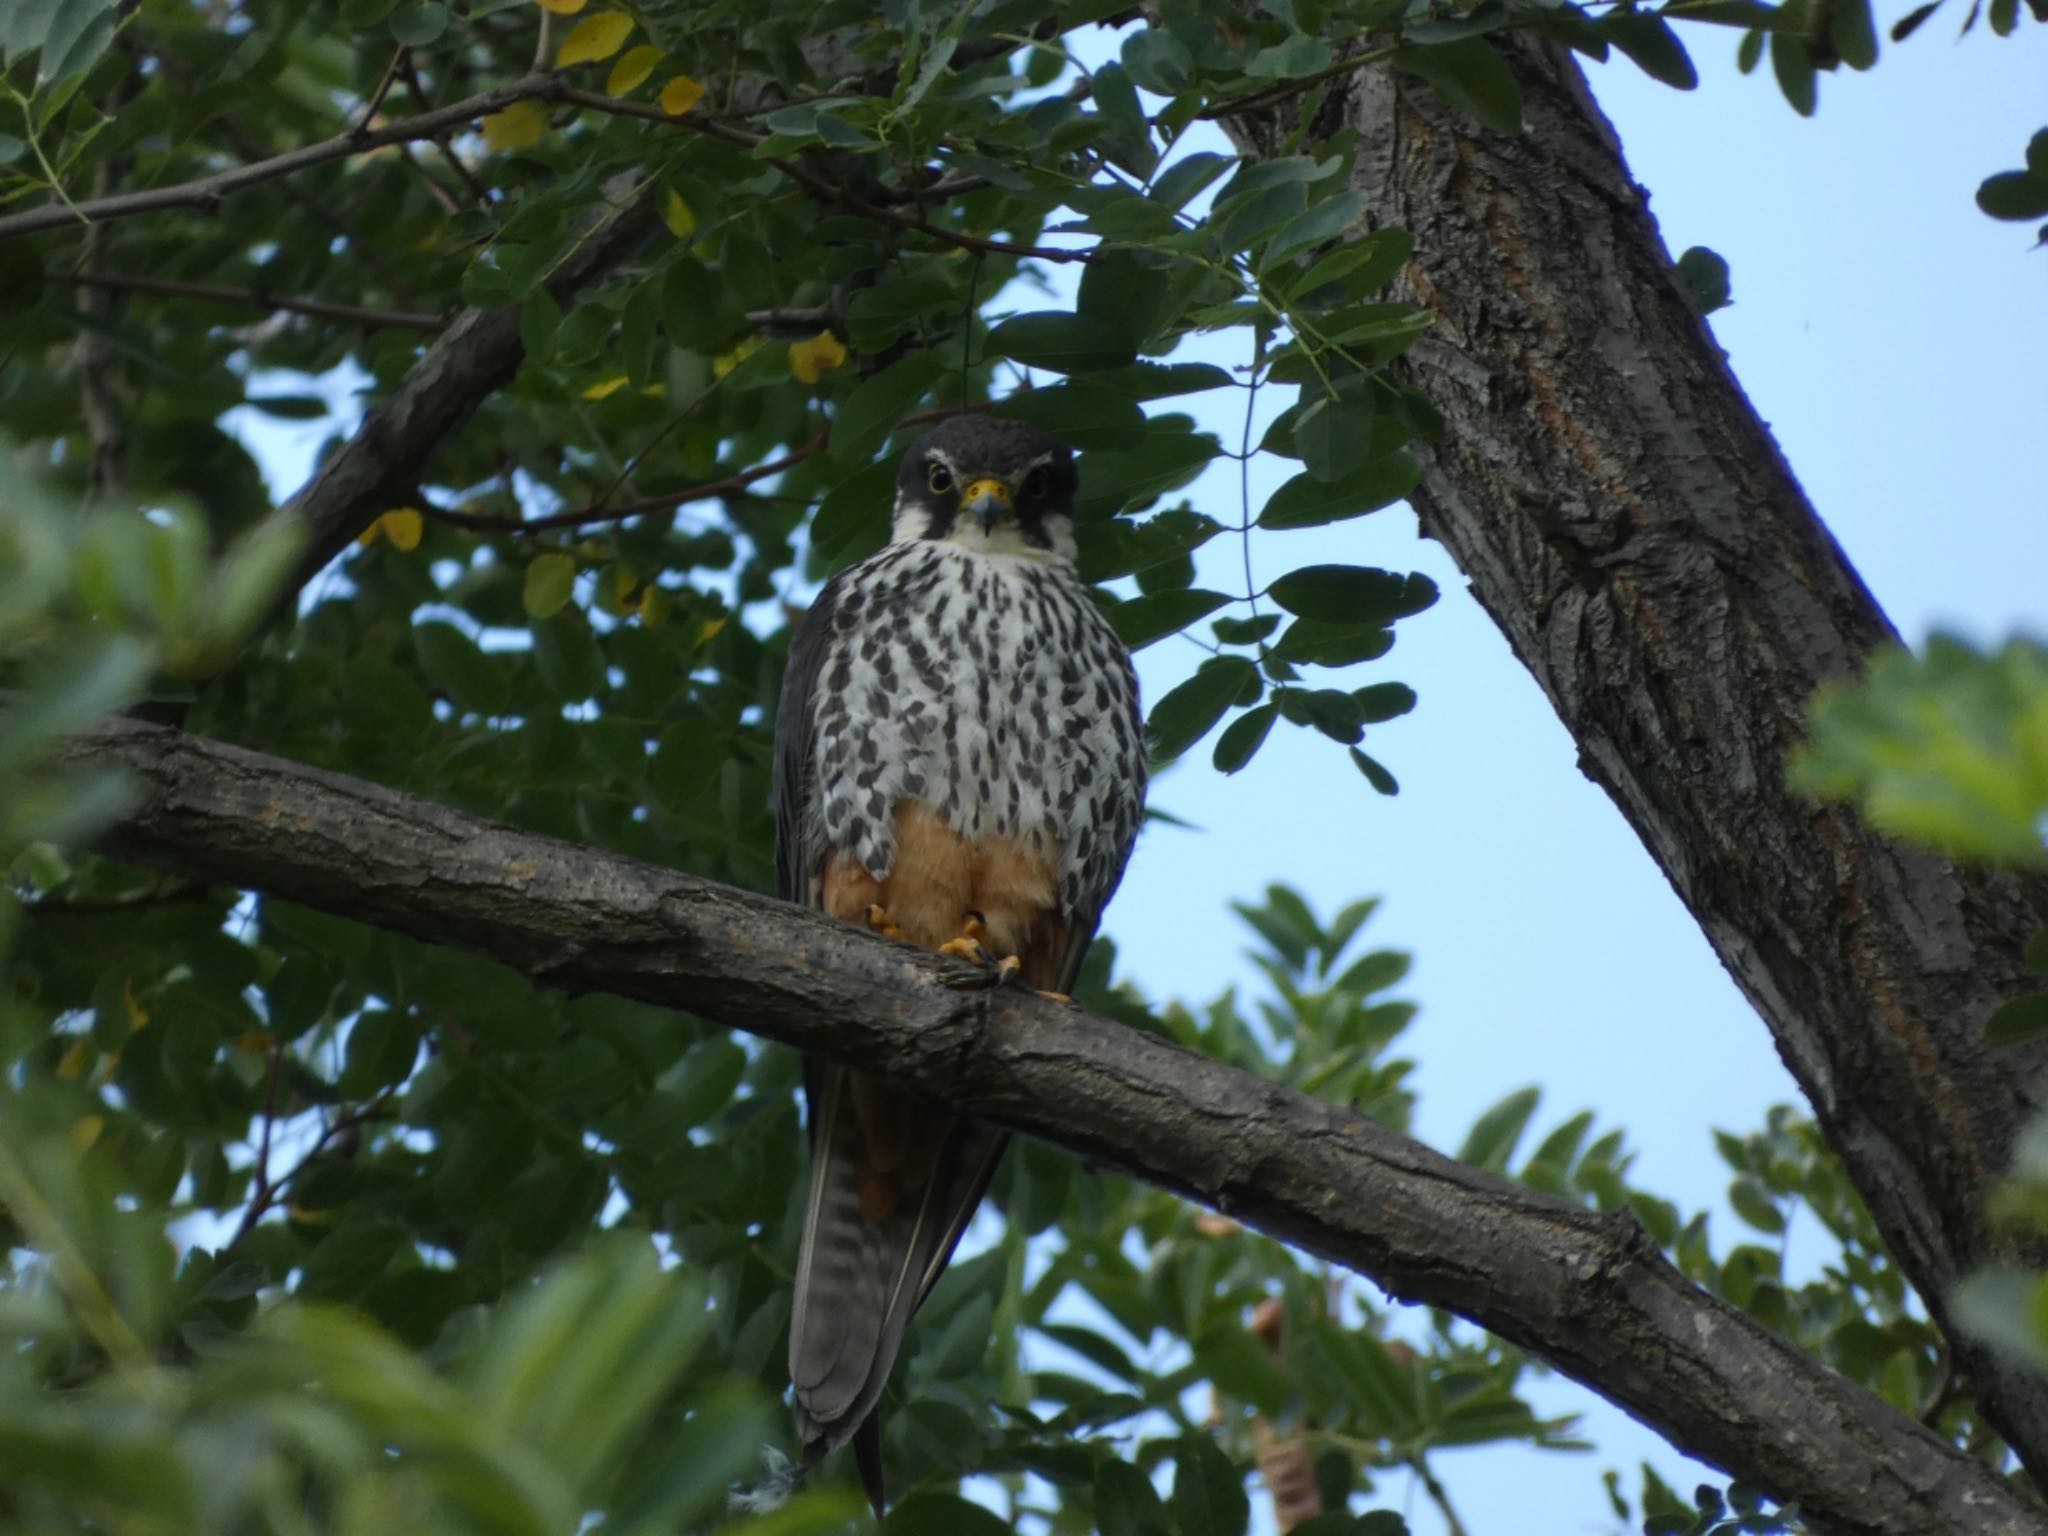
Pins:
<point x="938" y="477"/>
<point x="1035" y="483"/>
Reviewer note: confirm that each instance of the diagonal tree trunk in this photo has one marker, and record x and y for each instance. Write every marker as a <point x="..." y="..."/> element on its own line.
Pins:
<point x="1628" y="522"/>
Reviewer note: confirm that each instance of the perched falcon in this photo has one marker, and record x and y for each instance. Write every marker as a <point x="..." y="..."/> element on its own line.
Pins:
<point x="960" y="762"/>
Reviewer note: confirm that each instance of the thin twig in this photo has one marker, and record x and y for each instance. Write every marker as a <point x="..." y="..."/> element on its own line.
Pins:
<point x="1293" y="88"/>
<point x="599" y="513"/>
<point x="1453" y="1526"/>
<point x="442" y="142"/>
<point x="814" y="184"/>
<point x="377" y="96"/>
<point x="141" y="901"/>
<point x="256" y="298"/>
<point x="209" y="191"/>
<point x="730" y="485"/>
<point x="264" y="1198"/>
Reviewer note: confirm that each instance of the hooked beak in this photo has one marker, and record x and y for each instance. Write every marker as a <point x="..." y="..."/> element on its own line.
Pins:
<point x="986" y="500"/>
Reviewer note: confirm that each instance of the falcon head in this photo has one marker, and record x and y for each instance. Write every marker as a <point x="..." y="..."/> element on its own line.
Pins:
<point x="992" y="486"/>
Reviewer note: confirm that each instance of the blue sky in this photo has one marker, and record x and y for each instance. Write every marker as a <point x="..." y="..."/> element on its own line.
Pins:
<point x="1893" y="337"/>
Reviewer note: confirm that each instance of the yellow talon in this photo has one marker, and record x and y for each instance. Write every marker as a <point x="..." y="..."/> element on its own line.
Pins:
<point x="879" y="921"/>
<point x="965" y="948"/>
<point x="1054" y="997"/>
<point x="1007" y="969"/>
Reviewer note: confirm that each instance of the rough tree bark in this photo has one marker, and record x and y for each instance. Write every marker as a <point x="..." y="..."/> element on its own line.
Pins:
<point x="1588" y="1292"/>
<point x="1626" y="519"/>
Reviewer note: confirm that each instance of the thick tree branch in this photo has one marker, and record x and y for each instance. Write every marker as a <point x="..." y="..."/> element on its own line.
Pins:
<point x="1631" y="527"/>
<point x="1587" y="1292"/>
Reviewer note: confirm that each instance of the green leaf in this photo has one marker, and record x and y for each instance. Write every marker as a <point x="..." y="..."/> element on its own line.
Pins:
<point x="2034" y="956"/>
<point x="79" y="33"/>
<point x="1363" y="266"/>
<point x="1490" y="1144"/>
<point x="381" y="1049"/>
<point x="1081" y="413"/>
<point x="1316" y="225"/>
<point x="866" y="417"/>
<point x="2014" y="195"/>
<point x="2018" y="1021"/>
<point x="1753" y="1203"/>
<point x="1655" y="48"/>
<point x="1182" y="181"/>
<point x="1792" y="63"/>
<point x="1242" y="739"/>
<point x="1187" y="713"/>
<point x="855" y="512"/>
<point x="1126" y="1503"/>
<point x="550" y="580"/>
<point x="877" y="316"/>
<point x="456" y="666"/>
<point x="692" y="313"/>
<point x="929" y="1512"/>
<point x="1329" y="710"/>
<point x="1949" y="748"/>
<point x="1059" y="341"/>
<point x="1157" y="61"/>
<point x="1334" y="435"/>
<point x="1246" y="631"/>
<point x="1157" y="381"/>
<point x="1470" y="73"/>
<point x="1310" y="501"/>
<point x="1706" y="274"/>
<point x="419" y="23"/>
<point x="1144" y="620"/>
<point x="1910" y="23"/>
<point x="1375" y="773"/>
<point x="1208" y="1497"/>
<point x="1325" y="644"/>
<point x="2009" y="1308"/>
<point x="1854" y="31"/>
<point x="1384" y="701"/>
<point x="1352" y="594"/>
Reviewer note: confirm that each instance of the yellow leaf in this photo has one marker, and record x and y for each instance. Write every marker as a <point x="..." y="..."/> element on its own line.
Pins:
<point x="605" y="387"/>
<point x="519" y="126"/>
<point x="708" y="632"/>
<point x="654" y="606"/>
<point x="563" y="7"/>
<point x="809" y="359"/>
<point x="76" y="1058"/>
<point x="402" y="526"/>
<point x="85" y="1131"/>
<point x="255" y="1041"/>
<point x="138" y="1015"/>
<point x="593" y="38"/>
<point x="680" y="94"/>
<point x="725" y="362"/>
<point x="634" y="66"/>
<point x="676" y="214"/>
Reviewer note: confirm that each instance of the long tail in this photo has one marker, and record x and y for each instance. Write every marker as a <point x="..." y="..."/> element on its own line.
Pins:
<point x="892" y="1188"/>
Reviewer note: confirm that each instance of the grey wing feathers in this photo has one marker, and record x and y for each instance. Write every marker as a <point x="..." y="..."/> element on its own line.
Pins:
<point x="795" y="788"/>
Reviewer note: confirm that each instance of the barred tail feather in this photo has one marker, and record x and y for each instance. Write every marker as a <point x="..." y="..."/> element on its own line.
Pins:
<point x="859" y="1280"/>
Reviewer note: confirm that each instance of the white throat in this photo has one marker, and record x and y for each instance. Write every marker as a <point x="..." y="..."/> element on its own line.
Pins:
<point x="1004" y="540"/>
